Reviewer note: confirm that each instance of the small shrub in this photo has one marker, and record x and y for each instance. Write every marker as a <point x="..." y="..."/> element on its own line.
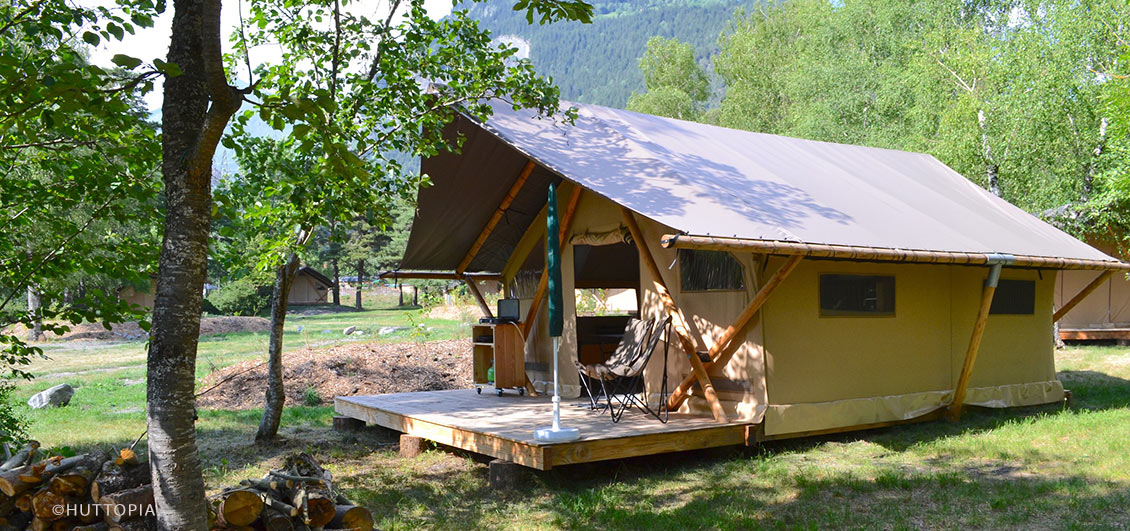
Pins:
<point x="13" y="425"/>
<point x="245" y="296"/>
<point x="310" y="397"/>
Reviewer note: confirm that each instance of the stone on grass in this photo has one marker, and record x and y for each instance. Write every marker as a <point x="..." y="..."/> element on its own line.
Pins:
<point x="57" y="396"/>
<point x="349" y="330"/>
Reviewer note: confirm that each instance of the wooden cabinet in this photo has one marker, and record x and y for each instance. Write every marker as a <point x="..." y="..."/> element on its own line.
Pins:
<point x="502" y="346"/>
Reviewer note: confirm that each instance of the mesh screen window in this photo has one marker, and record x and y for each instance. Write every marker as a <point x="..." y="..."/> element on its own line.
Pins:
<point x="857" y="295"/>
<point x="1014" y="297"/>
<point x="709" y="271"/>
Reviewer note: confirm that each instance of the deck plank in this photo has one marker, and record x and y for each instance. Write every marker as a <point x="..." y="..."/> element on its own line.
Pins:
<point x="503" y="426"/>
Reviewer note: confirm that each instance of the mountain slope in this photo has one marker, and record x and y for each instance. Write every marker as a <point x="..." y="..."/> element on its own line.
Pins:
<point x="596" y="63"/>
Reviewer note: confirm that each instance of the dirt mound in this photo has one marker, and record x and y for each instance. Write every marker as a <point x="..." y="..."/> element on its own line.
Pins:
<point x="129" y="331"/>
<point x="343" y="370"/>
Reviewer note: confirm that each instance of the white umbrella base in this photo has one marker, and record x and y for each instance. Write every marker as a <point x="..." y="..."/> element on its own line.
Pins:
<point x="550" y="435"/>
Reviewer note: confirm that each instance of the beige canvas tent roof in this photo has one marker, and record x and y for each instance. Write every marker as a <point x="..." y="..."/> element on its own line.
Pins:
<point x="715" y="182"/>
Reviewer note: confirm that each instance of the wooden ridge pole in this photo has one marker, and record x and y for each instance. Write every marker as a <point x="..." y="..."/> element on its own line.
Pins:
<point x="474" y="289"/>
<point x="954" y="412"/>
<point x="719" y="353"/>
<point x="1081" y="295"/>
<point x="679" y="323"/>
<point x="496" y="217"/>
<point x="543" y="282"/>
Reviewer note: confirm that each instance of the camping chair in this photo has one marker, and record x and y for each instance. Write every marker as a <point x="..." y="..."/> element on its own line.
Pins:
<point x="624" y="369"/>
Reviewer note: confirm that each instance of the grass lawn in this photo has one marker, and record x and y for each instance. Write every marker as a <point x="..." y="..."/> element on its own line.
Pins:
<point x="1044" y="467"/>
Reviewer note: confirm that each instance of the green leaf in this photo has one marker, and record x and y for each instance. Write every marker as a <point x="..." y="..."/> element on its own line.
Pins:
<point x="126" y="61"/>
<point x="91" y="38"/>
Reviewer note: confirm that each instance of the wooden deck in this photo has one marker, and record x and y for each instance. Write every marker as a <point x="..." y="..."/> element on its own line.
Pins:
<point x="1094" y="334"/>
<point x="503" y="426"/>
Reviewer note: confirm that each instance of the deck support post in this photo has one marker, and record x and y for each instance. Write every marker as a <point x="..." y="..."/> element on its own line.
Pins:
<point x="503" y="474"/>
<point x="953" y="414"/>
<point x="496" y="217"/>
<point x="679" y="323"/>
<point x="1098" y="281"/>
<point x="342" y="423"/>
<point x="411" y="446"/>
<point x="474" y="289"/>
<point x="719" y="353"/>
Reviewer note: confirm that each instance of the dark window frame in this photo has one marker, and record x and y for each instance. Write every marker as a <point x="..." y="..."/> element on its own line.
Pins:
<point x="738" y="270"/>
<point x="857" y="310"/>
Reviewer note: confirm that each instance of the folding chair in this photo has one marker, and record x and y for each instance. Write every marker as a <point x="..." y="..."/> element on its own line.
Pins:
<point x="623" y="371"/>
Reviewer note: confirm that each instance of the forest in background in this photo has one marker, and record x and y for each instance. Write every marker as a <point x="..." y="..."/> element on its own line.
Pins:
<point x="1028" y="100"/>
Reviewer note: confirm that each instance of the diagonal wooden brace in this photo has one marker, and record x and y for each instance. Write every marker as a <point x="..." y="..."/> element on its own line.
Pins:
<point x="678" y="322"/>
<point x="719" y="353"/>
<point x="1081" y="295"/>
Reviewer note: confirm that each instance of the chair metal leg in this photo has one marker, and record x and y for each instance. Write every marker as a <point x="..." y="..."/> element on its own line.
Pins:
<point x="588" y="391"/>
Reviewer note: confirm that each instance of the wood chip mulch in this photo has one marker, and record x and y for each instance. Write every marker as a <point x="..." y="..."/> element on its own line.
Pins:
<point x="344" y="370"/>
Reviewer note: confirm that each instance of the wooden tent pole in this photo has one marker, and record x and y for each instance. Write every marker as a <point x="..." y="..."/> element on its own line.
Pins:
<point x="1081" y="295"/>
<point x="954" y="412"/>
<point x="496" y="217"/>
<point x="679" y="323"/>
<point x="719" y="354"/>
<point x="543" y="282"/>
<point x="474" y="289"/>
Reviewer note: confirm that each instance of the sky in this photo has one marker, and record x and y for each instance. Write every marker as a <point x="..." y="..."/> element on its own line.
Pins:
<point x="153" y="43"/>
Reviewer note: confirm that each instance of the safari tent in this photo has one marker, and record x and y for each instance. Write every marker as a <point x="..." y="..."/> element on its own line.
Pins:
<point x="309" y="287"/>
<point x="1105" y="313"/>
<point x="813" y="286"/>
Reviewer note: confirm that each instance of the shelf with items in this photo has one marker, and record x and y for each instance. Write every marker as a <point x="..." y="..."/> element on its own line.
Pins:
<point x="499" y="346"/>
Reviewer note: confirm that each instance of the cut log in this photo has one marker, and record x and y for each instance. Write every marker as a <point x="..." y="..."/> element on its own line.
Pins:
<point x="265" y="484"/>
<point x="239" y="507"/>
<point x="115" y="478"/>
<point x="274" y="520"/>
<point x="352" y="517"/>
<point x="127" y="504"/>
<point x="23" y="502"/>
<point x="126" y="457"/>
<point x="48" y="506"/>
<point x="13" y="482"/>
<point x="98" y="526"/>
<point x="19" y="520"/>
<point x="22" y="457"/>
<point x="280" y="506"/>
<point x="75" y="481"/>
<point x="311" y="494"/>
<point x="64" y="524"/>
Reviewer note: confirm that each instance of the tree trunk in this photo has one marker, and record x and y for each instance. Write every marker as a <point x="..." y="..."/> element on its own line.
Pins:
<point x="33" y="305"/>
<point x="337" y="284"/>
<point x="197" y="107"/>
<point x="276" y="395"/>
<point x="360" y="281"/>
<point x="1089" y="173"/>
<point x="992" y="169"/>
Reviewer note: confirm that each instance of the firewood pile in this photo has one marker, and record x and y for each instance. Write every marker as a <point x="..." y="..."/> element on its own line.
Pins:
<point x="300" y="497"/>
<point x="93" y="492"/>
<point x="85" y="492"/>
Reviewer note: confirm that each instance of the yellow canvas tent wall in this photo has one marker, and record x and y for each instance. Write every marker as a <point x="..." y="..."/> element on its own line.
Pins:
<point x="840" y="210"/>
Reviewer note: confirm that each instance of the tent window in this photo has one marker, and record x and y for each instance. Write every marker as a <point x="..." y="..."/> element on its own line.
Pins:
<point x="709" y="271"/>
<point x="1014" y="297"/>
<point x="846" y="295"/>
